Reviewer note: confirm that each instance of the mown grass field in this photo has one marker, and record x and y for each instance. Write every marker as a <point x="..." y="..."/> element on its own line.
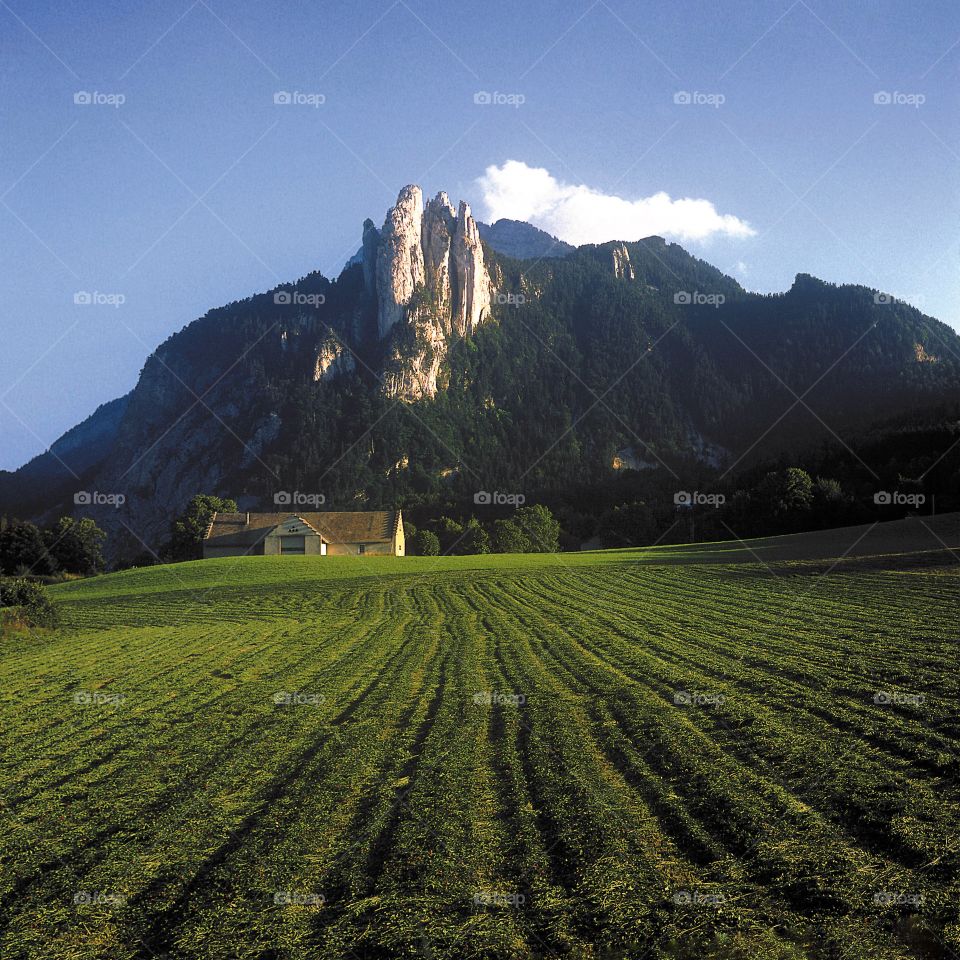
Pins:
<point x="722" y="750"/>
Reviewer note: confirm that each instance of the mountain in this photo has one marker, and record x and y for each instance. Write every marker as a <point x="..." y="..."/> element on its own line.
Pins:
<point x="512" y="238"/>
<point x="57" y="472"/>
<point x="522" y="241"/>
<point x="436" y="366"/>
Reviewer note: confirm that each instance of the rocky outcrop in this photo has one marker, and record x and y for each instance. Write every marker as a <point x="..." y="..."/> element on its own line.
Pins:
<point x="622" y="267"/>
<point x="432" y="250"/>
<point x="368" y="256"/>
<point x="412" y="369"/>
<point x="333" y="360"/>
<point x="439" y="227"/>
<point x="431" y="284"/>
<point x="399" y="258"/>
<point x="471" y="300"/>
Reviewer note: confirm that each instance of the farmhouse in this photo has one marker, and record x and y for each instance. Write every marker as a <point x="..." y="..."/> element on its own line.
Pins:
<point x="378" y="533"/>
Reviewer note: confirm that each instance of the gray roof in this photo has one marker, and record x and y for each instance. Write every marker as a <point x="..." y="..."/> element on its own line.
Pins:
<point x="246" y="529"/>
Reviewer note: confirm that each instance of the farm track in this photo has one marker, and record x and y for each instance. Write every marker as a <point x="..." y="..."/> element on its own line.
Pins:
<point x="491" y="764"/>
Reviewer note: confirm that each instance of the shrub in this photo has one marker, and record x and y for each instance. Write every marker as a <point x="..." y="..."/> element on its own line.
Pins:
<point x="425" y="544"/>
<point x="31" y="600"/>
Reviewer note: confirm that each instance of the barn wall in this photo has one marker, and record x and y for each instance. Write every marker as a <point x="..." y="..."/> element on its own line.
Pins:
<point x="211" y="550"/>
<point x="311" y="545"/>
<point x="353" y="549"/>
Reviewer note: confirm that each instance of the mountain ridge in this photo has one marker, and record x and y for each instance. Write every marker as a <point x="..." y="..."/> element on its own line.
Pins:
<point x="436" y="365"/>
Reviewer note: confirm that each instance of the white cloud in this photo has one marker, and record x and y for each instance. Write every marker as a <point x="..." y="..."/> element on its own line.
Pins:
<point x="579" y="214"/>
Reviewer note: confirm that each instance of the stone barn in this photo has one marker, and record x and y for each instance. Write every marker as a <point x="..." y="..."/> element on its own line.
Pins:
<point x="369" y="533"/>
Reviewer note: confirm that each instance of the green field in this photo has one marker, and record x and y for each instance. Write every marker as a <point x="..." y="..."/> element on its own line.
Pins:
<point x="719" y="750"/>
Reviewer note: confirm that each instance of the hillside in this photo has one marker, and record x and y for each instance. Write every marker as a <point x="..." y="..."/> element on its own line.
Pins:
<point x="738" y="750"/>
<point x="436" y="365"/>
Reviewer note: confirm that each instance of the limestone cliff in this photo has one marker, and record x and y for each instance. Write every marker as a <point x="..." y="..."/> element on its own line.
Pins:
<point x="472" y="300"/>
<point x="622" y="267"/>
<point x="399" y="258"/>
<point x="333" y="360"/>
<point x="431" y="284"/>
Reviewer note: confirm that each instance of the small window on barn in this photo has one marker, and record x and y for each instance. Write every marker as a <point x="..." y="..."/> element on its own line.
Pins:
<point x="293" y="545"/>
<point x="362" y="548"/>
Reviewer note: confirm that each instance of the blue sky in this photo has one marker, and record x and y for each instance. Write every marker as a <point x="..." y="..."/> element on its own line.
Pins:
<point x="198" y="188"/>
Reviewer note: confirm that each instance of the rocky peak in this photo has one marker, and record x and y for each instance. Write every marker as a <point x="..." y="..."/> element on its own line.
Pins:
<point x="439" y="224"/>
<point x="399" y="263"/>
<point x="472" y="294"/>
<point x="427" y="270"/>
<point x="368" y="256"/>
<point x="622" y="267"/>
<point x="437" y="247"/>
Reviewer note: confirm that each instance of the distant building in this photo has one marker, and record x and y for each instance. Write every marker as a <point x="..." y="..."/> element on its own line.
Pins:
<point x="371" y="533"/>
